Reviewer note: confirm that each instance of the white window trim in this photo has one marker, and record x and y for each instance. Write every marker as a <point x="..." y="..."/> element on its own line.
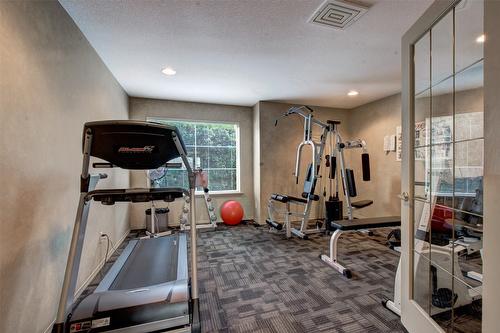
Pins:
<point x="237" y="191"/>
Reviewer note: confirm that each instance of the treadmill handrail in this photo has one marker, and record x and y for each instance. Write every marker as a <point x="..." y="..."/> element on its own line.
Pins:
<point x="136" y="194"/>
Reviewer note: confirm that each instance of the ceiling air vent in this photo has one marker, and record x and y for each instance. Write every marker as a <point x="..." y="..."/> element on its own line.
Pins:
<point x="338" y="14"/>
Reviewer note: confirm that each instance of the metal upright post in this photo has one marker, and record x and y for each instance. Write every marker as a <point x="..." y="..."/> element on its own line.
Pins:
<point x="192" y="210"/>
<point x="153" y="218"/>
<point x="344" y="182"/>
<point x="194" y="250"/>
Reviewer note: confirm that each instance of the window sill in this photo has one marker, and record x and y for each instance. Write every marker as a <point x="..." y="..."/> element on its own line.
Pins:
<point x="220" y="194"/>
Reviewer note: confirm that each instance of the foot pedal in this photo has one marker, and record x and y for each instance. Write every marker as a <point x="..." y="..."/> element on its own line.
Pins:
<point x="444" y="298"/>
<point x="274" y="224"/>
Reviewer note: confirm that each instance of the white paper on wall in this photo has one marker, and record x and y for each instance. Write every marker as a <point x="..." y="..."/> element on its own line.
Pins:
<point x="393" y="142"/>
<point x="399" y="143"/>
<point x="386" y="143"/>
<point x="390" y="143"/>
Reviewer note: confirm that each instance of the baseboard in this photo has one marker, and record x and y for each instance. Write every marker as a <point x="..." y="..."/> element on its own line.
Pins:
<point x="49" y="329"/>
<point x="92" y="275"/>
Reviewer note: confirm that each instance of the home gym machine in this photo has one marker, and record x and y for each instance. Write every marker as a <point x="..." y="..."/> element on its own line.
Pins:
<point x="308" y="195"/>
<point x="347" y="175"/>
<point x="148" y="288"/>
<point x="334" y="216"/>
<point x="329" y="133"/>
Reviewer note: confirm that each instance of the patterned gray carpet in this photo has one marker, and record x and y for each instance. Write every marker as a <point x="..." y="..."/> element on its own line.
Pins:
<point x="255" y="281"/>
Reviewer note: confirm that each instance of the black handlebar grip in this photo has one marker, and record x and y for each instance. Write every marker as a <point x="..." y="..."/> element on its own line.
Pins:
<point x="365" y="162"/>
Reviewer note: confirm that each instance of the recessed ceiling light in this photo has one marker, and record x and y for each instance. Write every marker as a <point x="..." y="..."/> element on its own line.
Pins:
<point x="353" y="93"/>
<point x="168" y="71"/>
<point x="481" y="39"/>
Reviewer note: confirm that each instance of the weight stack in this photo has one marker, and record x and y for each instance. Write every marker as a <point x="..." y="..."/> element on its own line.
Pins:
<point x="334" y="212"/>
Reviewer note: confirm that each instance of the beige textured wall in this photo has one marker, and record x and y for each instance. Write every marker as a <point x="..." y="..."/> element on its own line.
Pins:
<point x="51" y="82"/>
<point x="141" y="108"/>
<point x="371" y="122"/>
<point x="278" y="146"/>
<point x="491" y="263"/>
<point x="466" y="101"/>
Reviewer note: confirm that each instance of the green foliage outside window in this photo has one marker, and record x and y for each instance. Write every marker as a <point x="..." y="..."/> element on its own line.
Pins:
<point x="210" y="146"/>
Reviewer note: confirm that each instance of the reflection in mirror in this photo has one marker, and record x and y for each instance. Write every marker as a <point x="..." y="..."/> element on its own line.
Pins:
<point x="421" y="282"/>
<point x="441" y="220"/>
<point x="422" y="62"/>
<point x="469" y="157"/>
<point x="441" y="236"/>
<point x="467" y="318"/>
<point x="442" y="174"/>
<point x="422" y="118"/>
<point x="442" y="49"/>
<point x="469" y="106"/>
<point x="469" y="35"/>
<point x="469" y="176"/>
<point x="442" y="112"/>
<point x="469" y="230"/>
<point x="421" y="220"/>
<point x="422" y="174"/>
<point x="421" y="203"/>
<point x="443" y="296"/>
<point x="448" y="169"/>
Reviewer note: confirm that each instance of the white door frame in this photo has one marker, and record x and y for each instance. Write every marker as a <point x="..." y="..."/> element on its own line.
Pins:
<point x="414" y="318"/>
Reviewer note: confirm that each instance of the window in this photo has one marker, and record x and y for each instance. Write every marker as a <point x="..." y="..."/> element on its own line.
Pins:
<point x="213" y="147"/>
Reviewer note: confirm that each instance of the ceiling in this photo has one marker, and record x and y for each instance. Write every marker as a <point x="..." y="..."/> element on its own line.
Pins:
<point x="245" y="51"/>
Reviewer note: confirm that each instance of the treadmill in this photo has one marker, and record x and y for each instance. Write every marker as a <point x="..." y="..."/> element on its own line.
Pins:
<point x="148" y="288"/>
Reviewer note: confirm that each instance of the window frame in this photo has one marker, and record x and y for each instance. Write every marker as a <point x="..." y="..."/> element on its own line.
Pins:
<point x="238" y="148"/>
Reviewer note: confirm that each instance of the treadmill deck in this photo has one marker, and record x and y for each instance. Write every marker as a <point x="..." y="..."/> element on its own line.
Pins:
<point x="146" y="287"/>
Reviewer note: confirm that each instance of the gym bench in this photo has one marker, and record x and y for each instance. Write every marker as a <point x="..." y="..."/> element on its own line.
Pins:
<point x="343" y="226"/>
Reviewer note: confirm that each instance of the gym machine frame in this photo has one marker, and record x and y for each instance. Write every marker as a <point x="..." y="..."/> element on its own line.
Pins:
<point x="330" y="133"/>
<point x="363" y="225"/>
<point x="308" y="196"/>
<point x="347" y="176"/>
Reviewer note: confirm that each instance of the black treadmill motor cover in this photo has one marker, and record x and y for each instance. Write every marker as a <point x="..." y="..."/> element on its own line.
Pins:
<point x="135" y="145"/>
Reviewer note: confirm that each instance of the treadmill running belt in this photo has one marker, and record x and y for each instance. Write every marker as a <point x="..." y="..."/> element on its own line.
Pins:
<point x="153" y="261"/>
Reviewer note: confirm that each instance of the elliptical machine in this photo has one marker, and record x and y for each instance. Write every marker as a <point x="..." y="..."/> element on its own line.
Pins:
<point x="432" y="257"/>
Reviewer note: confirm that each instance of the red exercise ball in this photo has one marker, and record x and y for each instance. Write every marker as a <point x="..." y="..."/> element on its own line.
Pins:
<point x="231" y="212"/>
